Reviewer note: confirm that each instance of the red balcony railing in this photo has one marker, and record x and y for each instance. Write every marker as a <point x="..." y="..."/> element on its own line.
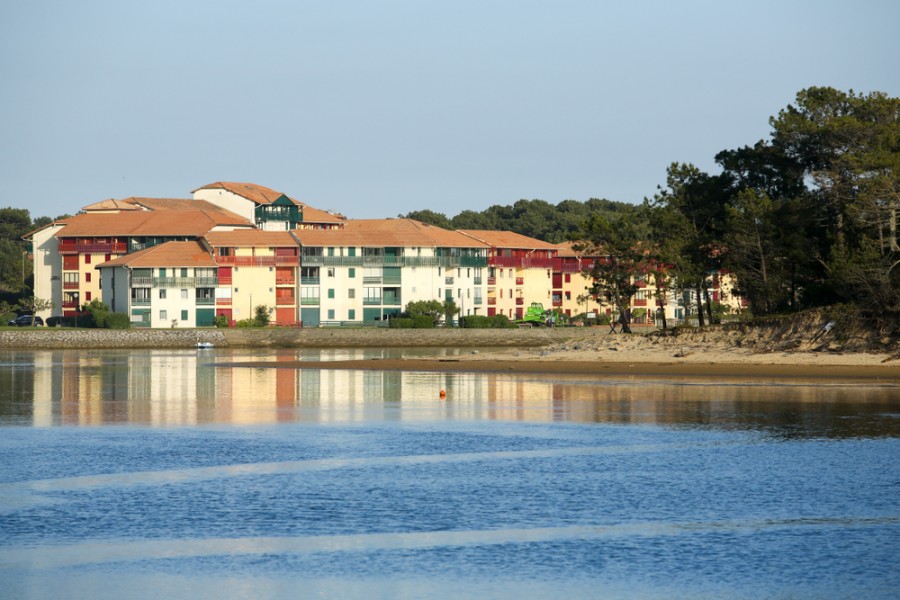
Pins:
<point x="70" y="247"/>
<point x="70" y="285"/>
<point x="520" y="301"/>
<point x="257" y="261"/>
<point x="492" y="301"/>
<point x="520" y="280"/>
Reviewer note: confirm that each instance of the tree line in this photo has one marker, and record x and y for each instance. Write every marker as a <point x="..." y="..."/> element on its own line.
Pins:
<point x="805" y="218"/>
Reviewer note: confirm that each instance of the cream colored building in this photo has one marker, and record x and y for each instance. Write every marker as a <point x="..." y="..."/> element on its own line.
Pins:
<point x="369" y="270"/>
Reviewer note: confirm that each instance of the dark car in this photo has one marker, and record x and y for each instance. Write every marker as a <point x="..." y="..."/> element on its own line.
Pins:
<point x="25" y="321"/>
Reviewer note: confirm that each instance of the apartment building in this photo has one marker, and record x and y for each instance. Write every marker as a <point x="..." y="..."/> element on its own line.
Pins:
<point x="172" y="284"/>
<point x="67" y="251"/>
<point x="520" y="271"/>
<point x="256" y="268"/>
<point x="369" y="270"/>
<point x="266" y="208"/>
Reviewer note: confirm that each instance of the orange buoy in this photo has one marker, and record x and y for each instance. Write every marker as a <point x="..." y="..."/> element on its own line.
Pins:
<point x="443" y="394"/>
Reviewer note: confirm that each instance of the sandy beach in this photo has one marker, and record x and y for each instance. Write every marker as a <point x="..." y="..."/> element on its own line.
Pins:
<point x="717" y="354"/>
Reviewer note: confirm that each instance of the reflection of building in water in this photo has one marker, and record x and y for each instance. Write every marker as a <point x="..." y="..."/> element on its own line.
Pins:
<point x="185" y="387"/>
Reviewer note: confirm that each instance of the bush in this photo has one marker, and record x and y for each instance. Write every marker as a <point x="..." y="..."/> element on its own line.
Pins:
<point x="220" y="321"/>
<point x="423" y="322"/>
<point x="246" y="323"/>
<point x="401" y="323"/>
<point x="483" y="322"/>
<point x="117" y="321"/>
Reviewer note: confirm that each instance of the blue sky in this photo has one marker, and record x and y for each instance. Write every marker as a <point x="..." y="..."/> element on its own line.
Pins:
<point x="374" y="109"/>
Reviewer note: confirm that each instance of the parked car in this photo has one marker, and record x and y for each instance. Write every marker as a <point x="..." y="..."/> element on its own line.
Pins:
<point x="25" y="321"/>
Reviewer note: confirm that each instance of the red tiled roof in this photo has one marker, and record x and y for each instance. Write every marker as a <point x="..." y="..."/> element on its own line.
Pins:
<point x="170" y="254"/>
<point x="375" y="233"/>
<point x="144" y="223"/>
<point x="507" y="239"/>
<point x="259" y="194"/>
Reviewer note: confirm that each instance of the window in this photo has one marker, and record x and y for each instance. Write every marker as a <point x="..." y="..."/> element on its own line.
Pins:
<point x="184" y="272"/>
<point x="331" y="294"/>
<point x="87" y="296"/>
<point x="331" y="272"/>
<point x="568" y="278"/>
<point x="87" y="259"/>
<point x="351" y="251"/>
<point x="351" y="293"/>
<point x="184" y="295"/>
<point x="331" y="253"/>
<point x="331" y="314"/>
<point x="162" y="294"/>
<point x="87" y="277"/>
<point x="184" y="315"/>
<point x="163" y="315"/>
<point x="352" y="271"/>
<point x="351" y="315"/>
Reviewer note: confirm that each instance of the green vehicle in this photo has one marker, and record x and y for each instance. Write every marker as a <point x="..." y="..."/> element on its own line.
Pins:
<point x="534" y="315"/>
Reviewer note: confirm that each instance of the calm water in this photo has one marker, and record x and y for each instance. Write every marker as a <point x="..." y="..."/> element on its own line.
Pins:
<point x="156" y="474"/>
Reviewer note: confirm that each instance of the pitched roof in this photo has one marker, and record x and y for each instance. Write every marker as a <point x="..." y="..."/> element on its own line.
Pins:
<point x="251" y="237"/>
<point x="134" y="203"/>
<point x="375" y="233"/>
<point x="143" y="223"/>
<point x="259" y="194"/>
<point x="507" y="239"/>
<point x="170" y="254"/>
<point x="316" y="215"/>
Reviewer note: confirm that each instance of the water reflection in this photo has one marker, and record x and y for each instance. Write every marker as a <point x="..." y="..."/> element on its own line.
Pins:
<point x="185" y="387"/>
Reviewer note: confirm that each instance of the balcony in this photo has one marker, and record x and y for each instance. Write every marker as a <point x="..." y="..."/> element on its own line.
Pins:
<point x="309" y="280"/>
<point x="206" y="301"/>
<point x="70" y="285"/>
<point x="371" y="280"/>
<point x="309" y="301"/>
<point x="520" y="281"/>
<point x="478" y="280"/>
<point x="492" y="281"/>
<point x="492" y="301"/>
<point x="69" y="247"/>
<point x="223" y="301"/>
<point x="641" y="302"/>
<point x="520" y="301"/>
<point x="175" y="282"/>
<point x="376" y="300"/>
<point x="284" y="301"/>
<point x="285" y="280"/>
<point x="257" y="261"/>
<point x="70" y="304"/>
<point x="448" y="281"/>
<point x="140" y="301"/>
<point x="477" y="300"/>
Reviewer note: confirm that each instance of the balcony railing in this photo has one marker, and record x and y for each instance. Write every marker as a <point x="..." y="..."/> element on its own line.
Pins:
<point x="309" y="301"/>
<point x="69" y="304"/>
<point x="206" y="301"/>
<point x="392" y="279"/>
<point x="223" y="301"/>
<point x="477" y="281"/>
<point x="392" y="301"/>
<point x="372" y="300"/>
<point x="284" y="301"/>
<point x="372" y="280"/>
<point x="477" y="301"/>
<point x="492" y="281"/>
<point x="492" y="301"/>
<point x="175" y="282"/>
<point x="285" y="280"/>
<point x="89" y="248"/>
<point x="257" y="261"/>
<point x="70" y="285"/>
<point x="310" y="280"/>
<point x="520" y="301"/>
<point x="140" y="301"/>
<point x="520" y="281"/>
<point x="393" y="261"/>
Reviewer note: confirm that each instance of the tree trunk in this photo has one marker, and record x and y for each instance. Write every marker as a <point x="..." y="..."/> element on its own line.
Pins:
<point x="708" y="305"/>
<point x="700" y="320"/>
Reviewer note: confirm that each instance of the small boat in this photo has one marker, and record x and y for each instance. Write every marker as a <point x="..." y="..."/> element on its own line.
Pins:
<point x="204" y="345"/>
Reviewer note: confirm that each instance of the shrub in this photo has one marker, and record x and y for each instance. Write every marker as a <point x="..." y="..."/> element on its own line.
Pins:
<point x="423" y="322"/>
<point x="117" y="321"/>
<point x="220" y="321"/>
<point x="401" y="323"/>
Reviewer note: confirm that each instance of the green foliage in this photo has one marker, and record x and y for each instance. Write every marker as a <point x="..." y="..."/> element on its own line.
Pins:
<point x="246" y="323"/>
<point x="535" y="218"/>
<point x="449" y="310"/>
<point x="261" y="315"/>
<point x="432" y="309"/>
<point x="220" y="321"/>
<point x="401" y="323"/>
<point x="117" y="321"/>
<point x="485" y="322"/>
